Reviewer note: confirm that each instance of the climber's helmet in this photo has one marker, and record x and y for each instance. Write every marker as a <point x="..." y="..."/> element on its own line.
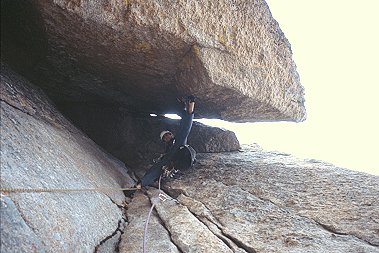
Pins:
<point x="166" y="136"/>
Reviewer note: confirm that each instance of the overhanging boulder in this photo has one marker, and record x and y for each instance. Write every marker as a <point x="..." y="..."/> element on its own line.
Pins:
<point x="143" y="54"/>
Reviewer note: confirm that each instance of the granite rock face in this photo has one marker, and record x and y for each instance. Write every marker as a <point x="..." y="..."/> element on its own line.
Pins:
<point x="244" y="201"/>
<point x="158" y="238"/>
<point x="182" y="223"/>
<point x="13" y="224"/>
<point x="206" y="139"/>
<point x="259" y="201"/>
<point x="41" y="149"/>
<point x="134" y="138"/>
<point x="144" y="54"/>
<point x="108" y="65"/>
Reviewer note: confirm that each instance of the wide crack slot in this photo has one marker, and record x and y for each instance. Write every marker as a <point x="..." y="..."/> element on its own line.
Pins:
<point x="168" y="231"/>
<point x="226" y="238"/>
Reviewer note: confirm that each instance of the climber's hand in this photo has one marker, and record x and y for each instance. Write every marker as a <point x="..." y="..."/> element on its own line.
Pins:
<point x="191" y="98"/>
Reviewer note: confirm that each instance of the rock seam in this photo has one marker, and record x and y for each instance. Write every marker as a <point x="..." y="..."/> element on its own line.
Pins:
<point x="218" y="224"/>
<point x="227" y="236"/>
<point x="15" y="107"/>
<point x="165" y="227"/>
<point x="118" y="229"/>
<point x="21" y="214"/>
<point x="327" y="228"/>
<point x="224" y="240"/>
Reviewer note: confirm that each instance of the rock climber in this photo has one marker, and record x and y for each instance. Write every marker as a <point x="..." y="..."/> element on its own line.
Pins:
<point x="178" y="155"/>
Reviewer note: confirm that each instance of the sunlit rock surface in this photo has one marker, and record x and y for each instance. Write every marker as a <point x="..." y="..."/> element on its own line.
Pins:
<point x="16" y="235"/>
<point x="259" y="201"/>
<point x="124" y="59"/>
<point x="243" y="201"/>
<point x="144" y="54"/>
<point x="158" y="238"/>
<point x="41" y="149"/>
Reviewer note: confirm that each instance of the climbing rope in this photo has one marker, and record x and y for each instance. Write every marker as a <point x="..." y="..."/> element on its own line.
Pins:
<point x="31" y="190"/>
<point x="145" y="228"/>
<point x="162" y="197"/>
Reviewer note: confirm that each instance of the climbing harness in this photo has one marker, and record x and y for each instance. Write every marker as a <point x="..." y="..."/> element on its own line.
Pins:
<point x="31" y="190"/>
<point x="169" y="171"/>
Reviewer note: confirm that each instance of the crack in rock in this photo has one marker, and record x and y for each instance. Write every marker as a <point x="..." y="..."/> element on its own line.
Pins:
<point x="250" y="221"/>
<point x="119" y="206"/>
<point x="346" y="199"/>
<point x="189" y="233"/>
<point x="168" y="231"/>
<point x="111" y="242"/>
<point x="329" y="228"/>
<point x="16" y="234"/>
<point x="17" y="108"/>
<point x="205" y="215"/>
<point x="158" y="237"/>
<point x="332" y="229"/>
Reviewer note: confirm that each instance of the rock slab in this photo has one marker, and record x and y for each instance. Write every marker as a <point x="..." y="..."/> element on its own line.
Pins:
<point x="158" y="238"/>
<point x="262" y="201"/>
<point x="189" y="233"/>
<point x="272" y="202"/>
<point x="13" y="224"/>
<point x="41" y="149"/>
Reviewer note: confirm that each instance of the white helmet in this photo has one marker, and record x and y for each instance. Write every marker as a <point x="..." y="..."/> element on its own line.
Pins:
<point x="163" y="133"/>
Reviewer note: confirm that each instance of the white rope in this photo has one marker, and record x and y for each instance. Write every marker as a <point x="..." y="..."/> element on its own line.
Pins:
<point x="144" y="247"/>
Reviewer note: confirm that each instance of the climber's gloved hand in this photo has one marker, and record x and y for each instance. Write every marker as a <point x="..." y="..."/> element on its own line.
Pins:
<point x="191" y="98"/>
<point x="187" y="99"/>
